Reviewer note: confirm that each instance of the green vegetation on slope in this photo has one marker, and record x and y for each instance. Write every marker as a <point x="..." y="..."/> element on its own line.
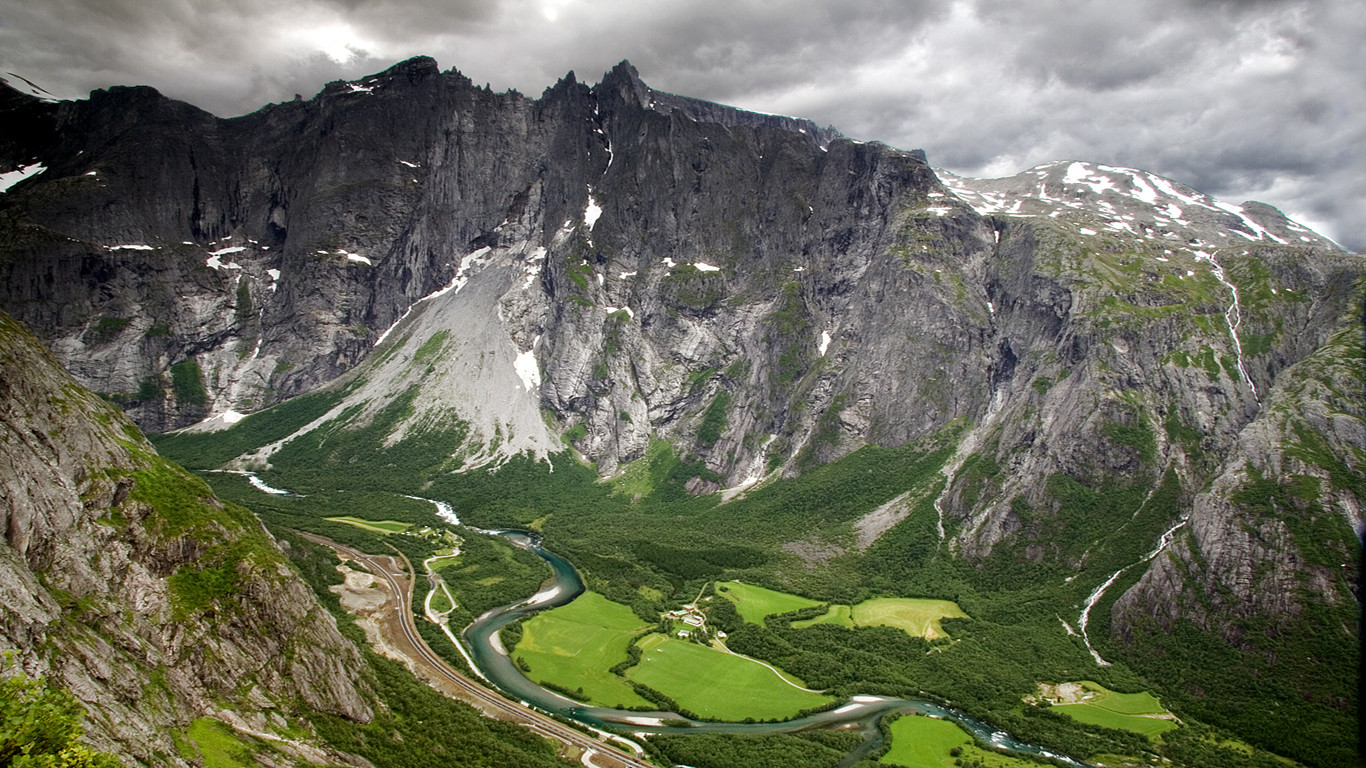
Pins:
<point x="40" y="726"/>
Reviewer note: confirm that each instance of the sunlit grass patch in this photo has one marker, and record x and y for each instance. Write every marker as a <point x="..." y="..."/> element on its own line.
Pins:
<point x="575" y="646"/>
<point x="719" y="685"/>
<point x="754" y="603"/>
<point x="374" y="526"/>
<point x="917" y="616"/>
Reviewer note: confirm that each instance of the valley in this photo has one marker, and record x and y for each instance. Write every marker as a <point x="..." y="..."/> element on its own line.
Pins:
<point x="581" y="649"/>
<point x="754" y="442"/>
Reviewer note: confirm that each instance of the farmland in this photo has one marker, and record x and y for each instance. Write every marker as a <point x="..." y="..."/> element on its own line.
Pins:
<point x="719" y="685"/>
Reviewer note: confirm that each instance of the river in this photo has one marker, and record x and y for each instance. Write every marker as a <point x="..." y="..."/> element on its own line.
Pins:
<point x="862" y="712"/>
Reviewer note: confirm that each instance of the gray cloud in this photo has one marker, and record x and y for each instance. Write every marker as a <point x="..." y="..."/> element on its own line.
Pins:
<point x="1244" y="100"/>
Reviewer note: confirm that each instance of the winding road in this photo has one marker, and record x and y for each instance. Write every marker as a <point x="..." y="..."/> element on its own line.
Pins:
<point x="393" y="573"/>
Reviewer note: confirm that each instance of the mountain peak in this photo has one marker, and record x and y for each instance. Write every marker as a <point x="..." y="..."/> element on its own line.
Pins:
<point x="624" y="80"/>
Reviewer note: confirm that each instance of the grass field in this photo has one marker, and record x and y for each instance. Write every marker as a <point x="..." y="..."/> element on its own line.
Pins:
<point x="924" y="742"/>
<point x="437" y="564"/>
<point x="754" y="603"/>
<point x="918" y="616"/>
<point x="718" y="685"/>
<point x="1126" y="711"/>
<point x="839" y="615"/>
<point x="374" y="526"/>
<point x="574" y="647"/>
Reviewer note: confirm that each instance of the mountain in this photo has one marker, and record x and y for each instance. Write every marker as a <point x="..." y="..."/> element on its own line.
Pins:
<point x="1147" y="390"/>
<point x="127" y="583"/>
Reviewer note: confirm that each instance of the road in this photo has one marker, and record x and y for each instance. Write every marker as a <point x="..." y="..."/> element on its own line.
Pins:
<point x="394" y="572"/>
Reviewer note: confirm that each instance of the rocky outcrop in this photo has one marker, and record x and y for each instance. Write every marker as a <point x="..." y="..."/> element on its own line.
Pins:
<point x="127" y="583"/>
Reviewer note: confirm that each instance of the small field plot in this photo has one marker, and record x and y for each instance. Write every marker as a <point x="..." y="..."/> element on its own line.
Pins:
<point x="839" y="615"/>
<point x="576" y="645"/>
<point x="924" y="742"/>
<point x="719" y="685"/>
<point x="1094" y="704"/>
<point x="918" y="616"/>
<point x="754" y="603"/>
<point x="374" y="526"/>
<point x="437" y="563"/>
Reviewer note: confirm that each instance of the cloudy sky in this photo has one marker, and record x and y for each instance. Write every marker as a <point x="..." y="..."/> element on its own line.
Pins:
<point x="1243" y="99"/>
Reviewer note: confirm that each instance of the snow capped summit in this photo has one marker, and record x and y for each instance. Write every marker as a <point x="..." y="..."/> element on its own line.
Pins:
<point x="1094" y="197"/>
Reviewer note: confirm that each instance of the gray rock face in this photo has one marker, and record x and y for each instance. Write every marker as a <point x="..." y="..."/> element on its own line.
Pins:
<point x="90" y="566"/>
<point x="763" y="294"/>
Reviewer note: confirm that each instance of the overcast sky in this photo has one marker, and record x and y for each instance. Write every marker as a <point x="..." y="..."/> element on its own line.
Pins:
<point x="1243" y="99"/>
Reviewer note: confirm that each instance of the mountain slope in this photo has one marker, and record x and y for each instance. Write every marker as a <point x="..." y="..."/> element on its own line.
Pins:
<point x="128" y="584"/>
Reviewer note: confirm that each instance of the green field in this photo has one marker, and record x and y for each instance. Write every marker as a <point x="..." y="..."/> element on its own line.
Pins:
<point x="839" y="615"/>
<point x="575" y="646"/>
<point x="438" y="563"/>
<point x="719" y="685"/>
<point x="1125" y="711"/>
<point x="754" y="603"/>
<point x="374" y="526"/>
<point x="924" y="742"/>
<point x="918" y="616"/>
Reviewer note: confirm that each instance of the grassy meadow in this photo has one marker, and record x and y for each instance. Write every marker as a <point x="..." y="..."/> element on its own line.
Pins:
<point x="755" y="603"/>
<point x="719" y="685"/>
<point x="925" y="742"/>
<point x="373" y="526"/>
<point x="1138" y="712"/>
<point x="575" y="646"/>
<point x="919" y="617"/>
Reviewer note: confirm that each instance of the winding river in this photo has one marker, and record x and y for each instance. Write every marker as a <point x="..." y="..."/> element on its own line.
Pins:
<point x="862" y="712"/>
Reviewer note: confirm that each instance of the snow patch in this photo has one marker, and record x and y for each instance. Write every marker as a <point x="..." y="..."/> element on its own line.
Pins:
<point x="591" y="213"/>
<point x="410" y="165"/>
<point x="232" y="417"/>
<point x="527" y="369"/>
<point x="359" y="259"/>
<point x="11" y="178"/>
<point x="225" y="251"/>
<point x="129" y="248"/>
<point x="824" y="343"/>
<point x="627" y="310"/>
<point x="703" y="266"/>
<point x="216" y="263"/>
<point x="1086" y="231"/>
<point x="625" y="275"/>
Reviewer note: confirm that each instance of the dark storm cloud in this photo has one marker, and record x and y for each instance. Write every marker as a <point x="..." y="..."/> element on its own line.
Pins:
<point x="1239" y="99"/>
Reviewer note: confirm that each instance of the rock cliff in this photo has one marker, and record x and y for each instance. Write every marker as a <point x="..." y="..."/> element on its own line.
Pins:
<point x="126" y="582"/>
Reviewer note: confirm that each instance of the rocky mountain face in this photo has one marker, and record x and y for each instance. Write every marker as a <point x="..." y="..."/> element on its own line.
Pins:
<point x="127" y="583"/>
<point x="1143" y="380"/>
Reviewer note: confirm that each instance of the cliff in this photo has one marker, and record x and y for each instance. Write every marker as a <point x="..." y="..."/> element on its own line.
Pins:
<point x="127" y="583"/>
